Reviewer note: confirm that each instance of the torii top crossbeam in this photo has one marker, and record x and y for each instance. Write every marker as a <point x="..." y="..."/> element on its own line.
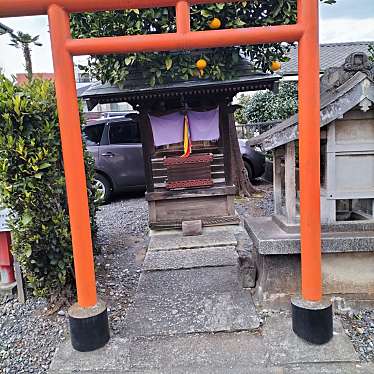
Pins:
<point x="305" y="31"/>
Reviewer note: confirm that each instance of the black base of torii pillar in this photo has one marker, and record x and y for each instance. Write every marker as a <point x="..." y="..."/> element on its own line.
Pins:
<point x="312" y="320"/>
<point x="89" y="327"/>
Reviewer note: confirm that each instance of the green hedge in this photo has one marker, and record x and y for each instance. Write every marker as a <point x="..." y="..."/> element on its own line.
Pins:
<point x="266" y="106"/>
<point x="32" y="185"/>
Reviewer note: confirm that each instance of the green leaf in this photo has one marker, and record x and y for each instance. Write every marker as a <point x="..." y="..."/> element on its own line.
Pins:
<point x="26" y="219"/>
<point x="239" y="22"/>
<point x="129" y="60"/>
<point x="44" y="165"/>
<point x="168" y="63"/>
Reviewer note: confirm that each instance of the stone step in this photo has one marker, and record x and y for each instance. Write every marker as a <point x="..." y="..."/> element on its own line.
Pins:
<point x="190" y="258"/>
<point x="198" y="280"/>
<point x="217" y="238"/>
<point x="200" y="354"/>
<point x="175" y="313"/>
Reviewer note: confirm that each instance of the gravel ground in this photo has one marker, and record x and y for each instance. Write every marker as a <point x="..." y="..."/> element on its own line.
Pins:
<point x="257" y="206"/>
<point x="123" y="229"/>
<point x="29" y="335"/>
<point x="359" y="326"/>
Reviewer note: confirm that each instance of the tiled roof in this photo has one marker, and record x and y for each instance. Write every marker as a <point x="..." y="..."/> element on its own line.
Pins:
<point x="331" y="55"/>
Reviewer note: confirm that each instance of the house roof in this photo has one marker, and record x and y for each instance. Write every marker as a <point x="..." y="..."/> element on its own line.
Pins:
<point x="137" y="89"/>
<point x="22" y="77"/>
<point x="344" y="88"/>
<point x="331" y="54"/>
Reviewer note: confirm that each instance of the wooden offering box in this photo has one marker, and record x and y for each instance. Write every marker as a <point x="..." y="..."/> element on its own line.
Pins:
<point x="192" y="172"/>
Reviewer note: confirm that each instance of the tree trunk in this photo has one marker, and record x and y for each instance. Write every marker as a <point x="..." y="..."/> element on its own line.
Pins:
<point x="28" y="63"/>
<point x="239" y="172"/>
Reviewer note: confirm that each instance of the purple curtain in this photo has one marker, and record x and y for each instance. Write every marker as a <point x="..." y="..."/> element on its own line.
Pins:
<point x="204" y="125"/>
<point x="167" y="129"/>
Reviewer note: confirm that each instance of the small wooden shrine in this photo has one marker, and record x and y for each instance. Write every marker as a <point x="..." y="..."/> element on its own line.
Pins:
<point x="198" y="186"/>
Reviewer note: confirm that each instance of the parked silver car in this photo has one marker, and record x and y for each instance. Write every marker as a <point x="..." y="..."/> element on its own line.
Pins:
<point x="115" y="145"/>
<point x="117" y="150"/>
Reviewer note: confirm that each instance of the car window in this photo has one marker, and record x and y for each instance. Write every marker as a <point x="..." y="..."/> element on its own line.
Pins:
<point x="124" y="132"/>
<point x="93" y="133"/>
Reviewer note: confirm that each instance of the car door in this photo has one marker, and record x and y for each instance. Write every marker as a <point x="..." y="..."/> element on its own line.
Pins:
<point x="122" y="157"/>
<point x="92" y="134"/>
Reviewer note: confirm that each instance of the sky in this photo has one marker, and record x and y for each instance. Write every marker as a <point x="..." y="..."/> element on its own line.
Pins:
<point x="346" y="21"/>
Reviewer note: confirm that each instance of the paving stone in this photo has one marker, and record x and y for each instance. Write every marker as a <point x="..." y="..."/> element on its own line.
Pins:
<point x="190" y="258"/>
<point x="114" y="356"/>
<point x="199" y="353"/>
<point x="207" y="239"/>
<point x="331" y="368"/>
<point x="198" y="280"/>
<point x="211" y="370"/>
<point x="287" y="348"/>
<point x="177" y="313"/>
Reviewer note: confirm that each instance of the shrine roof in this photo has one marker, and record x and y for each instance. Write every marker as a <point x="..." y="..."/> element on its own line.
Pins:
<point x="137" y="89"/>
<point x="342" y="89"/>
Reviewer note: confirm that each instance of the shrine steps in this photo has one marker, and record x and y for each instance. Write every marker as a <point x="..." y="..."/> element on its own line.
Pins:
<point x="191" y="284"/>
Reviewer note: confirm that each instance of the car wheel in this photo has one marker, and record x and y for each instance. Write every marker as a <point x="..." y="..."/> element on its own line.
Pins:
<point x="103" y="189"/>
<point x="249" y="170"/>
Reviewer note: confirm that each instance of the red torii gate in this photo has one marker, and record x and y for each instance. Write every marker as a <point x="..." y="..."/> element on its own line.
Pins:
<point x="312" y="318"/>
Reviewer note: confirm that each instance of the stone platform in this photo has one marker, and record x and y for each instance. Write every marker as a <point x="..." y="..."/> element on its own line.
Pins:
<point x="347" y="262"/>
<point x="270" y="238"/>
<point x="273" y="349"/>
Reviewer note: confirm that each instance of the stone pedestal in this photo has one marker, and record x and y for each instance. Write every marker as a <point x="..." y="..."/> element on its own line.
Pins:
<point x="347" y="263"/>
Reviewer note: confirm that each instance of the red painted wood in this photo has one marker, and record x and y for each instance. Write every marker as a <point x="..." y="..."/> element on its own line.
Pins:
<point x="6" y="258"/>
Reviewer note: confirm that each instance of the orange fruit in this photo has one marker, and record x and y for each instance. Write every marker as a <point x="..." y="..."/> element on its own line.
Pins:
<point x="275" y="65"/>
<point x="215" y="23"/>
<point x="201" y="64"/>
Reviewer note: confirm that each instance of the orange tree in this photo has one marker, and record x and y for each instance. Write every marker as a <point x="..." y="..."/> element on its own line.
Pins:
<point x="166" y="66"/>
